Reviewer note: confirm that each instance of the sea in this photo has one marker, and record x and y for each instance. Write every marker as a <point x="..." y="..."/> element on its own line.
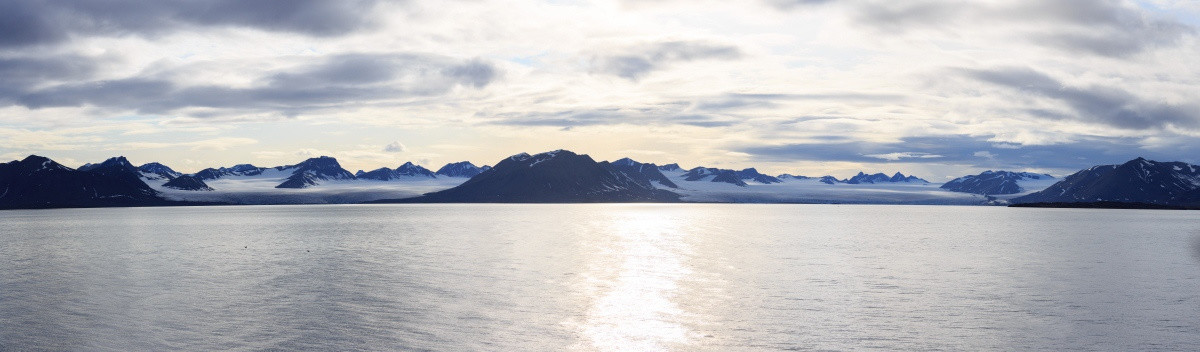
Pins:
<point x="599" y="277"/>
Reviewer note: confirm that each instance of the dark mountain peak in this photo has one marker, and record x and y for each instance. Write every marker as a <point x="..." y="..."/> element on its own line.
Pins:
<point x="35" y="159"/>
<point x="672" y="167"/>
<point x="753" y="174"/>
<point x="558" y="176"/>
<point x="459" y="169"/>
<point x="527" y="160"/>
<point x="642" y="173"/>
<point x="829" y="180"/>
<point x="236" y="170"/>
<point x="1139" y="181"/>
<point x="308" y="172"/>
<point x="158" y="171"/>
<point x="701" y="173"/>
<point x="38" y="182"/>
<point x="242" y="168"/>
<point x="792" y="177"/>
<point x="381" y="174"/>
<point x="410" y="169"/>
<point x="519" y="157"/>
<point x="626" y="162"/>
<point x="321" y="162"/>
<point x="118" y="162"/>
<point x="35" y="163"/>
<point x="880" y="177"/>
<point x="187" y="183"/>
<point x="992" y="182"/>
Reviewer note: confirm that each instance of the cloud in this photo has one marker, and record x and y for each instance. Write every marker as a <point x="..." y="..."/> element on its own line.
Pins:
<point x="1110" y="106"/>
<point x="903" y="155"/>
<point x="1109" y="28"/>
<point x="395" y="147"/>
<point x="672" y="113"/>
<point x="321" y="83"/>
<point x="217" y="144"/>
<point x="25" y="22"/>
<point x="960" y="149"/>
<point x="637" y="62"/>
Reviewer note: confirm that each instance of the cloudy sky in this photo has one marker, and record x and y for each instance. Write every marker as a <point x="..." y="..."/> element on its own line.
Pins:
<point x="814" y="87"/>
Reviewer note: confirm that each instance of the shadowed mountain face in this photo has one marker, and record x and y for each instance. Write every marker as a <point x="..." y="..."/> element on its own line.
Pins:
<point x="714" y="175"/>
<point x="460" y="169"/>
<point x="236" y="170"/>
<point x="993" y="182"/>
<point x="552" y="177"/>
<point x="862" y="178"/>
<point x="38" y="182"/>
<point x="734" y="177"/>
<point x="309" y="172"/>
<point x="187" y="183"/>
<point x="158" y="171"/>
<point x="406" y="171"/>
<point x="1136" y="181"/>
<point x="641" y="171"/>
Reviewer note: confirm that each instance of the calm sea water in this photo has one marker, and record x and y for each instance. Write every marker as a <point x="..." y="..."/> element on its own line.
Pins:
<point x="599" y="277"/>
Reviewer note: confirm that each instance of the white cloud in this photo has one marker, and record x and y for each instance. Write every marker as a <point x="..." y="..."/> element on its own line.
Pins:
<point x="903" y="155"/>
<point x="395" y="147"/>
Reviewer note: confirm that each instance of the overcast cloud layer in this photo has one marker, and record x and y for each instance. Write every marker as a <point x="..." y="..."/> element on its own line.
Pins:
<point x="935" y="88"/>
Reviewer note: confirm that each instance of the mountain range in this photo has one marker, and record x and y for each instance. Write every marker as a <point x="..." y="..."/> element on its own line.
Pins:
<point x="996" y="182"/>
<point x="1136" y="181"/>
<point x="566" y="177"/>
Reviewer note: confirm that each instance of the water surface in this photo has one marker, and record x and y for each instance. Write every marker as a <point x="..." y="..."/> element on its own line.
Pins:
<point x="599" y="277"/>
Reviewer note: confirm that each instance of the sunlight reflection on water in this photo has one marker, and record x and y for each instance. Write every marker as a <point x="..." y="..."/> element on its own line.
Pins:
<point x="632" y="284"/>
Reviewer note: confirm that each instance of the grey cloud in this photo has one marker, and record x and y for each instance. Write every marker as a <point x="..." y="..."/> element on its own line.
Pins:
<point x="961" y="149"/>
<point x="664" y="114"/>
<point x="31" y="22"/>
<point x="638" y="62"/>
<point x="20" y="74"/>
<point x="705" y="111"/>
<point x="789" y="4"/>
<point x="1107" y="105"/>
<point x="342" y="79"/>
<point x="1101" y="27"/>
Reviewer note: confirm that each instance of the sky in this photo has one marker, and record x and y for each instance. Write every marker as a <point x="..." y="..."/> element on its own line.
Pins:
<point x="939" y="89"/>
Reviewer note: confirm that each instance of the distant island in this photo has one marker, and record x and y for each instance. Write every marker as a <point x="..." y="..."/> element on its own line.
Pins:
<point x="564" y="176"/>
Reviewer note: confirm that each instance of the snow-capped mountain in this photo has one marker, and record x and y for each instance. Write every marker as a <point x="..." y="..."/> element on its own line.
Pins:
<point x="1136" y="181"/>
<point x="408" y="171"/>
<point x="156" y="171"/>
<point x="672" y="167"/>
<point x="38" y="182"/>
<point x="785" y="177"/>
<point x="861" y="178"/>
<point x="728" y="176"/>
<point x="999" y="182"/>
<point x="236" y="170"/>
<point x="701" y="173"/>
<point x="641" y="171"/>
<point x="754" y="175"/>
<point x="557" y="176"/>
<point x="459" y="169"/>
<point x="311" y="171"/>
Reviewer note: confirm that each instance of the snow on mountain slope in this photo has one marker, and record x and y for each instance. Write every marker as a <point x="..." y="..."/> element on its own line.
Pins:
<point x="260" y="189"/>
<point x="812" y="190"/>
